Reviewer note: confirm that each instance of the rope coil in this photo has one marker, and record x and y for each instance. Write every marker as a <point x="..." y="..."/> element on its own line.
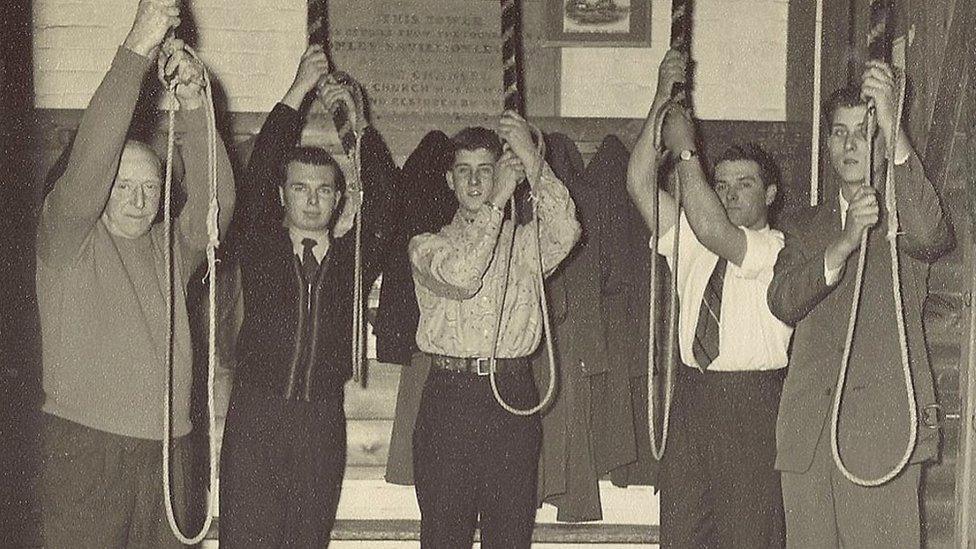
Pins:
<point x="681" y="24"/>
<point x="657" y="450"/>
<point x="891" y="205"/>
<point x="358" y="314"/>
<point x="511" y="22"/>
<point x="540" y="285"/>
<point x="213" y="233"/>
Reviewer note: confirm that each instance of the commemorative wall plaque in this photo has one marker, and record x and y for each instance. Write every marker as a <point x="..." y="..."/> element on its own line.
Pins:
<point x="427" y="63"/>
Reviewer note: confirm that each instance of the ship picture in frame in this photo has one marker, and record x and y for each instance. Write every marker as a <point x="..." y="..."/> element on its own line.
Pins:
<point x="598" y="22"/>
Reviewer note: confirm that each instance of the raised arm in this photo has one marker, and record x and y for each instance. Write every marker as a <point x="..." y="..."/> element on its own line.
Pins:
<point x="280" y="132"/>
<point x="558" y="228"/>
<point x="926" y="232"/>
<point x="703" y="209"/>
<point x="78" y="198"/>
<point x="192" y="116"/>
<point x="373" y="197"/>
<point x="799" y="279"/>
<point x="452" y="264"/>
<point x="705" y="212"/>
<point x="642" y="170"/>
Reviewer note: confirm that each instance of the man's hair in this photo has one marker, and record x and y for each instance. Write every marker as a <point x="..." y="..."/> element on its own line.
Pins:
<point x="768" y="170"/>
<point x="848" y="96"/>
<point x="317" y="156"/>
<point x="474" y="138"/>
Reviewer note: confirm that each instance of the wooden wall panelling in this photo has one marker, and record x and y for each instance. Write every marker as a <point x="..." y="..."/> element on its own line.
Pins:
<point x="927" y="23"/>
<point x="799" y="60"/>
<point x="956" y="74"/>
<point x="966" y="472"/>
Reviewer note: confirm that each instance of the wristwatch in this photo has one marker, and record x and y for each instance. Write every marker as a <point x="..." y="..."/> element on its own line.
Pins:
<point x="687" y="154"/>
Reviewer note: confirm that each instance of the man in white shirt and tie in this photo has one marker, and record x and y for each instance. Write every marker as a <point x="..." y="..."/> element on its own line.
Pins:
<point x="718" y="484"/>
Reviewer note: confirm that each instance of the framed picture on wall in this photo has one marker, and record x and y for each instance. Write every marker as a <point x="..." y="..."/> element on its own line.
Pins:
<point x="597" y="23"/>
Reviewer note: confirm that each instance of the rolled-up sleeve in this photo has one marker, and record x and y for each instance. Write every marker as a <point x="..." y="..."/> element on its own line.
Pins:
<point x="762" y="249"/>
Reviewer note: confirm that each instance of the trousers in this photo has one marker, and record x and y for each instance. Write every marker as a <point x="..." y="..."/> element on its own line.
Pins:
<point x="476" y="463"/>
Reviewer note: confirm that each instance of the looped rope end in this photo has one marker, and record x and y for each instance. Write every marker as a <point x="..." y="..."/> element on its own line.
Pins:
<point x="909" y="384"/>
<point x="213" y="233"/>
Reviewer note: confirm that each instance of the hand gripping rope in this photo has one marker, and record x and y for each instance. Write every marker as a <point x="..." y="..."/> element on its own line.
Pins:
<point x="511" y="64"/>
<point x="214" y="233"/>
<point x="680" y="40"/>
<point x="876" y="37"/>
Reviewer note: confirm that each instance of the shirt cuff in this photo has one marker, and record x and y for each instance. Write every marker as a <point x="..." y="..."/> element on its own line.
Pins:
<point x="901" y="159"/>
<point x="832" y="276"/>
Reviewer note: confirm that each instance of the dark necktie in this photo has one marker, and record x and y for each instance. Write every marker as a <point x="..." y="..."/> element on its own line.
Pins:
<point x="310" y="265"/>
<point x="705" y="346"/>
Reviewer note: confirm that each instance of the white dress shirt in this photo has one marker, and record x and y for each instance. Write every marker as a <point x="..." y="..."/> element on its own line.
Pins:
<point x="319" y="250"/>
<point x="832" y="276"/>
<point x="750" y="337"/>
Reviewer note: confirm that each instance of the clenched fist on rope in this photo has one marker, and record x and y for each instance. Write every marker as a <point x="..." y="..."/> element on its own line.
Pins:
<point x="880" y="88"/>
<point x="182" y="70"/>
<point x="111" y="285"/>
<point x="517" y="135"/>
<point x="154" y="19"/>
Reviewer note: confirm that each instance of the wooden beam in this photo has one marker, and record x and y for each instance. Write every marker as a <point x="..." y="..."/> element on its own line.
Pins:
<point x="966" y="457"/>
<point x="957" y="72"/>
<point x="801" y="19"/>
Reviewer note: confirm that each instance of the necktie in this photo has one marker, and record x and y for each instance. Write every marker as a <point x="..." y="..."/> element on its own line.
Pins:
<point x="310" y="265"/>
<point x="705" y="346"/>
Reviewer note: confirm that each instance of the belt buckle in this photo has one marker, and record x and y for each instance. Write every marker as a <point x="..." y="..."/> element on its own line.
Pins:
<point x="486" y="370"/>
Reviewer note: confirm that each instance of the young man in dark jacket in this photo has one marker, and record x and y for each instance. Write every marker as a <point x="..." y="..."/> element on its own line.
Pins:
<point x="284" y="446"/>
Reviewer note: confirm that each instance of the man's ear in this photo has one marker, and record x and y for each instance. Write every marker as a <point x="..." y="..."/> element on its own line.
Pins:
<point x="450" y="180"/>
<point x="281" y="194"/>
<point x="771" y="191"/>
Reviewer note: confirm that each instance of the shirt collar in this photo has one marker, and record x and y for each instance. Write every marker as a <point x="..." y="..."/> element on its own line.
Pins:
<point x="321" y="245"/>
<point x="844" y="204"/>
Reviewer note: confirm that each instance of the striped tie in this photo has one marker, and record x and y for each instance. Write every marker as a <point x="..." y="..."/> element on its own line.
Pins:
<point x="705" y="347"/>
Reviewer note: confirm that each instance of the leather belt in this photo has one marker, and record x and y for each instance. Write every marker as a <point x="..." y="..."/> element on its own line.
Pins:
<point x="476" y="365"/>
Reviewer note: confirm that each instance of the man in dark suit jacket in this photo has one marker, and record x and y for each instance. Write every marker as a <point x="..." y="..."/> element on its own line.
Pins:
<point x="284" y="448"/>
<point x="812" y="288"/>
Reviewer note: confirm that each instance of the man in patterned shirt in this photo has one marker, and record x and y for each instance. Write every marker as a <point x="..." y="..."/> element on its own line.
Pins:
<point x="471" y="457"/>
